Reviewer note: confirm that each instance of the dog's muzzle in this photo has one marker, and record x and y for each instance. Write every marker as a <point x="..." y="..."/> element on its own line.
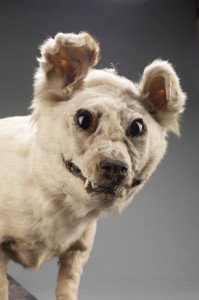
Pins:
<point x="111" y="175"/>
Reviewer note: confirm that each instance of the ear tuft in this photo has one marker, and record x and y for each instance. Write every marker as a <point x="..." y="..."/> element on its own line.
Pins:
<point x="162" y="94"/>
<point x="69" y="56"/>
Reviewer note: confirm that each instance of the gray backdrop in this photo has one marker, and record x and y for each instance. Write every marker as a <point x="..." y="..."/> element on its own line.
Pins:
<point x="151" y="251"/>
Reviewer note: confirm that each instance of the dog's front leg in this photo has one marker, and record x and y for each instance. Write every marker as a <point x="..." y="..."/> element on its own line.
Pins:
<point x="3" y="276"/>
<point x="71" y="265"/>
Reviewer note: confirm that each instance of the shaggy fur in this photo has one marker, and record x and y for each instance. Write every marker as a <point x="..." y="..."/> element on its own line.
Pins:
<point x="57" y="178"/>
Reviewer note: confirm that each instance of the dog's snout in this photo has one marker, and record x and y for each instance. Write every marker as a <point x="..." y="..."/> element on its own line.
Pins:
<point x="114" y="168"/>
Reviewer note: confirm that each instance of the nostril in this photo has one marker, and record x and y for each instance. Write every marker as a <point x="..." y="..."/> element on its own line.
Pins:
<point x="124" y="169"/>
<point x="106" y="167"/>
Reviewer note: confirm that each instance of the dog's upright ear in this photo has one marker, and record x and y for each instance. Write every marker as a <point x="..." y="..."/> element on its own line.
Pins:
<point x="64" y="63"/>
<point x="161" y="93"/>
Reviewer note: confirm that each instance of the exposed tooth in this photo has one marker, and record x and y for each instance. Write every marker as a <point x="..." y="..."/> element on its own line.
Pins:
<point x="86" y="183"/>
<point x="94" y="185"/>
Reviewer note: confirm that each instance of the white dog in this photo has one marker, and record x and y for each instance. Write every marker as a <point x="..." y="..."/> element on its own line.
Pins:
<point x="92" y="141"/>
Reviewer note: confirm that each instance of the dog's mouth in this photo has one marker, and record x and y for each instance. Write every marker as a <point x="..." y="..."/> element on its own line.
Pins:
<point x="93" y="188"/>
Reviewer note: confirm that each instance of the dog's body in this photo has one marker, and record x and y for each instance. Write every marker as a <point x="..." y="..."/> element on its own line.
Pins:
<point x="92" y="141"/>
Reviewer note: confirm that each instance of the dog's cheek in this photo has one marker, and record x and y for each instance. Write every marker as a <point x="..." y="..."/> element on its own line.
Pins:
<point x="157" y="145"/>
<point x="138" y="152"/>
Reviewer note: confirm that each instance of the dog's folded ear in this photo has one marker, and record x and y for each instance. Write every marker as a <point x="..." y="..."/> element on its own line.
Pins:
<point x="68" y="57"/>
<point x="162" y="95"/>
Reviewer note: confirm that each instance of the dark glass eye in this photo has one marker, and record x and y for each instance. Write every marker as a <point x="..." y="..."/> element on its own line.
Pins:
<point x="85" y="120"/>
<point x="136" y="128"/>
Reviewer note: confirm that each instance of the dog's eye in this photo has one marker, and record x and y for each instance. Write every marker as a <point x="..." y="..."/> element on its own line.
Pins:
<point x="136" y="128"/>
<point x="85" y="120"/>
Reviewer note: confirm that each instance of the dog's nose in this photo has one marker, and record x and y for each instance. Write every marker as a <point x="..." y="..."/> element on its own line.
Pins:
<point x="114" y="166"/>
<point x="116" y="170"/>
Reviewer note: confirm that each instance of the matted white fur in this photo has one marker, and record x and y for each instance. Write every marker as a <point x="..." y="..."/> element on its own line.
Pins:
<point x="53" y="186"/>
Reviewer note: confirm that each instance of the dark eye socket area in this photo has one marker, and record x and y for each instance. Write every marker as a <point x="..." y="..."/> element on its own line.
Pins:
<point x="86" y="120"/>
<point x="136" y="128"/>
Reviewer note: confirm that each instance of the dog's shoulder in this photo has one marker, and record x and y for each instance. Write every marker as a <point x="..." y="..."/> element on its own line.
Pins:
<point x="15" y="128"/>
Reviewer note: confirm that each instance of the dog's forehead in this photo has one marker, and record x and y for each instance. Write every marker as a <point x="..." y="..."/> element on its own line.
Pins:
<point x="101" y="100"/>
<point x="108" y="77"/>
<point x="108" y="102"/>
<point x="104" y="90"/>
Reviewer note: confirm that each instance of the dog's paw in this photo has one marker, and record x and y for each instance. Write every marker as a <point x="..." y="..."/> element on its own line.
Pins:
<point x="69" y="56"/>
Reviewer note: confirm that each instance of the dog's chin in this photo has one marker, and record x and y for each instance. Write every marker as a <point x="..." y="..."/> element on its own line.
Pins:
<point x="105" y="196"/>
<point x="104" y="201"/>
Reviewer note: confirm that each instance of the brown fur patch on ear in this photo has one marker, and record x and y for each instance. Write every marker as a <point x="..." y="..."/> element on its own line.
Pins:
<point x="157" y="93"/>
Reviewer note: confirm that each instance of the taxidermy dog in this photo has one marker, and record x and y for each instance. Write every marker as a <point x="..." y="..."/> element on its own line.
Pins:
<point x="90" y="144"/>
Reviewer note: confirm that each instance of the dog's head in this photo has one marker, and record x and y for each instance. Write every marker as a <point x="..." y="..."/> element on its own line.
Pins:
<point x="100" y="136"/>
